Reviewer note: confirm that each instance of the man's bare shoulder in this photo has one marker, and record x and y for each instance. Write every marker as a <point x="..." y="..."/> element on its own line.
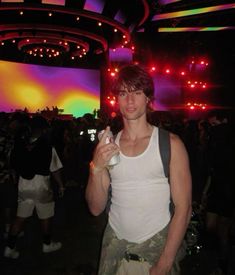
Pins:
<point x="176" y="143"/>
<point x="174" y="138"/>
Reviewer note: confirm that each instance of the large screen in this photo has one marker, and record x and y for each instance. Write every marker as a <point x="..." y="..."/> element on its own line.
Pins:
<point x="36" y="87"/>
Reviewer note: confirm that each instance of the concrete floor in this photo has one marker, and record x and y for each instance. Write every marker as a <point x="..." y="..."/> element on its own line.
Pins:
<point x="81" y="235"/>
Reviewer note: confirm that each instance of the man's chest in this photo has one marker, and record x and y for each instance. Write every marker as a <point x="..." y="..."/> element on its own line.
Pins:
<point x="134" y="148"/>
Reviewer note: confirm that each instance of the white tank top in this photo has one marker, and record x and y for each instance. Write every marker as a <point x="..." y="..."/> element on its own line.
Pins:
<point x="140" y="194"/>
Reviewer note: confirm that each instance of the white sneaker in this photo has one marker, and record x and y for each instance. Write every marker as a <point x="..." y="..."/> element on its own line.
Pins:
<point x="53" y="246"/>
<point x="11" y="253"/>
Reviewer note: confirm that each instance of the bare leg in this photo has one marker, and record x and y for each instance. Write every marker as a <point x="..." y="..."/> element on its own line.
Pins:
<point x="15" y="229"/>
<point x="17" y="225"/>
<point x="48" y="244"/>
<point x="46" y="230"/>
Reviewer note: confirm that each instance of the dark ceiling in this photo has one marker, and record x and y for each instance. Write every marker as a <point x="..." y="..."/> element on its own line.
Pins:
<point x="80" y="32"/>
<point x="67" y="31"/>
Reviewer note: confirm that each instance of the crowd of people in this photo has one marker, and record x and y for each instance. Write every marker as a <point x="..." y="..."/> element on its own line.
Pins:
<point x="36" y="151"/>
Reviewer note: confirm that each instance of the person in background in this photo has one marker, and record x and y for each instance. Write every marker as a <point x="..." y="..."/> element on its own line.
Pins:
<point x="8" y="189"/>
<point x="11" y="126"/>
<point x="34" y="160"/>
<point x="142" y="236"/>
<point x="220" y="193"/>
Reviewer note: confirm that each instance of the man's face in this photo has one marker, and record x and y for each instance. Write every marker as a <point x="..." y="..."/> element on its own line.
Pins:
<point x="132" y="104"/>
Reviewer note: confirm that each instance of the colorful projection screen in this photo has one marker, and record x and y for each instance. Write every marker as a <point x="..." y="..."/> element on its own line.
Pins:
<point x="36" y="87"/>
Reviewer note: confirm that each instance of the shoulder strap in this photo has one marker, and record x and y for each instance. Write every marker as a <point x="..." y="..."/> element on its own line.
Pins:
<point x="165" y="149"/>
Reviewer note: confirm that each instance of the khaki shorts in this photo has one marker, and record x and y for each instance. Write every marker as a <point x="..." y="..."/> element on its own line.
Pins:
<point x="44" y="210"/>
<point x="133" y="267"/>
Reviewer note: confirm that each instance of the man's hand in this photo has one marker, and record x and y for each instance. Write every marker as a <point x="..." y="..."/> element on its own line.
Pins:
<point x="162" y="267"/>
<point x="103" y="152"/>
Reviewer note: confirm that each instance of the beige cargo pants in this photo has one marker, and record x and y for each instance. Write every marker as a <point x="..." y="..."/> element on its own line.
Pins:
<point x="113" y="261"/>
<point x="133" y="268"/>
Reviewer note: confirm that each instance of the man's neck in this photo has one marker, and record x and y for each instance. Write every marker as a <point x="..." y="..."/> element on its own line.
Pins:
<point x="134" y="129"/>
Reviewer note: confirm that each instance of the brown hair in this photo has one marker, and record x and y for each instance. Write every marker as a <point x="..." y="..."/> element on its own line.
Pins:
<point x="133" y="78"/>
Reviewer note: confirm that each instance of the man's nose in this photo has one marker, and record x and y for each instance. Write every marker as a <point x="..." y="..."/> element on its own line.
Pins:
<point x="130" y="97"/>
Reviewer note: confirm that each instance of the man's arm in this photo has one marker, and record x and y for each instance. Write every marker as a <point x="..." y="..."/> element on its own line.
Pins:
<point x="99" y="180"/>
<point x="58" y="178"/>
<point x="180" y="185"/>
<point x="56" y="172"/>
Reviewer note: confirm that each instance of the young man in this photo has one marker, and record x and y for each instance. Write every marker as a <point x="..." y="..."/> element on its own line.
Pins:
<point x="141" y="236"/>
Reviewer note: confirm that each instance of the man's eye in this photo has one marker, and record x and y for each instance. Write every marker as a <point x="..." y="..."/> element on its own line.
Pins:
<point x="122" y="94"/>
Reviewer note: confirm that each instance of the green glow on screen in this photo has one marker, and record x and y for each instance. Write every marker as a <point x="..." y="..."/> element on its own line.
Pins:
<point x="80" y="104"/>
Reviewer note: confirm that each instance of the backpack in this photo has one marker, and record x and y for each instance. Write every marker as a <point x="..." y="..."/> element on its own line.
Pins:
<point x="165" y="149"/>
